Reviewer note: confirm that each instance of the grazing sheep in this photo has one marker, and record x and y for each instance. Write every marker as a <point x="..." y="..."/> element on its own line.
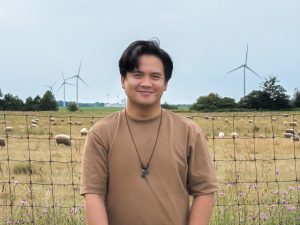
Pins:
<point x="293" y="123"/>
<point x="63" y="139"/>
<point x="288" y="135"/>
<point x="221" y="134"/>
<point x="78" y="123"/>
<point x="190" y="117"/>
<point x="290" y="130"/>
<point x="83" y="131"/>
<point x="274" y="119"/>
<point x="70" y="123"/>
<point x="8" y="129"/>
<point x="35" y="121"/>
<point x="234" y="134"/>
<point x="52" y="119"/>
<point x="206" y="117"/>
<point x="2" y="142"/>
<point x="285" y="115"/>
<point x="62" y="120"/>
<point x="226" y="121"/>
<point x="250" y="121"/>
<point x="261" y="136"/>
<point x="54" y="123"/>
<point x="295" y="138"/>
<point x="34" y="125"/>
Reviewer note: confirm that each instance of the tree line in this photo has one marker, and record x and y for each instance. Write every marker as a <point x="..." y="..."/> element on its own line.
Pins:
<point x="14" y="103"/>
<point x="271" y="96"/>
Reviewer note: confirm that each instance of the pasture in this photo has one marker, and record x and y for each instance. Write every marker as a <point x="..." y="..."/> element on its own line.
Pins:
<point x="258" y="169"/>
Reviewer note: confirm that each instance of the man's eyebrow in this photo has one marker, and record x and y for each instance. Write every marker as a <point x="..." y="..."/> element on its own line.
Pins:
<point x="136" y="71"/>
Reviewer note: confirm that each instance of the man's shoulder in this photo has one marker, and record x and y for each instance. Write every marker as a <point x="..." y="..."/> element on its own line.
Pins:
<point x="106" y="123"/>
<point x="178" y="118"/>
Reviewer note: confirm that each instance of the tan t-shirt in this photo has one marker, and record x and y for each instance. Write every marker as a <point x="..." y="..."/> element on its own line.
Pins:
<point x="180" y="166"/>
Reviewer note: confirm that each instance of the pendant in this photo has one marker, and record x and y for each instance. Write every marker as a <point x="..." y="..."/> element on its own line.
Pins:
<point x="145" y="172"/>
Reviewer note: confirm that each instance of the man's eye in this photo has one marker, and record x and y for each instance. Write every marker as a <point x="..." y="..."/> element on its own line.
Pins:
<point x="137" y="75"/>
<point x="156" y="77"/>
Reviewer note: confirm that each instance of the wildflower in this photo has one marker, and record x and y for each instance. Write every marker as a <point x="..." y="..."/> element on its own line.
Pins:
<point x="298" y="188"/>
<point x="252" y="186"/>
<point x="221" y="193"/>
<point x="241" y="195"/>
<point x="74" y="210"/>
<point x="277" y="172"/>
<point x="276" y="192"/>
<point x="16" y="182"/>
<point x="264" y="217"/>
<point x="24" y="202"/>
<point x="291" y="188"/>
<point x="291" y="208"/>
<point x="273" y="206"/>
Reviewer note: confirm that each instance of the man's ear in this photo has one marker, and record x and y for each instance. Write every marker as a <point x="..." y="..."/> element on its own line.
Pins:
<point x="123" y="82"/>
<point x="166" y="86"/>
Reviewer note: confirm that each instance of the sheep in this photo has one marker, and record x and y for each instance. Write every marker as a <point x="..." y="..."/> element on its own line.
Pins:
<point x="8" y="129"/>
<point x="35" y="121"/>
<point x="285" y="115"/>
<point x="234" y="134"/>
<point x="70" y="123"/>
<point x="295" y="138"/>
<point x="221" y="134"/>
<point x="288" y="135"/>
<point x="250" y="121"/>
<point x="190" y="117"/>
<point x="290" y="130"/>
<point x="2" y="142"/>
<point x="63" y="139"/>
<point x="34" y="125"/>
<point x="274" y="119"/>
<point x="52" y="119"/>
<point x="78" y="123"/>
<point x="293" y="123"/>
<point x="83" y="131"/>
<point x="261" y="136"/>
<point x="206" y="117"/>
<point x="226" y="121"/>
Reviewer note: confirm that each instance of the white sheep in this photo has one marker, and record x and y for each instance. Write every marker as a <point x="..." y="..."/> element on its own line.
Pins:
<point x="234" y="134"/>
<point x="290" y="130"/>
<point x="293" y="123"/>
<point x="295" y="138"/>
<point x="285" y="115"/>
<point x="288" y="135"/>
<point x="52" y="119"/>
<point x="8" y="129"/>
<point x="35" y="121"/>
<point x="221" y="134"/>
<point x="2" y="142"/>
<point x="83" y="131"/>
<point x="189" y="117"/>
<point x="63" y="139"/>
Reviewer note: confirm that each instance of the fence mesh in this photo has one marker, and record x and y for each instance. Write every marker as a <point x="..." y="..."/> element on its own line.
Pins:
<point x="256" y="157"/>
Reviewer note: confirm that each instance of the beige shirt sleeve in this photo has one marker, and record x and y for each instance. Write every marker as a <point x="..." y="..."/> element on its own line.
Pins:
<point x="201" y="172"/>
<point x="94" y="168"/>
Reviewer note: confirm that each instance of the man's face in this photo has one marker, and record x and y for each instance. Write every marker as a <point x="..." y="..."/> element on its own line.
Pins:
<point x="145" y="85"/>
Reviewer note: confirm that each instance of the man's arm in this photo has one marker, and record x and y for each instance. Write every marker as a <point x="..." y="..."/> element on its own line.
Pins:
<point x="95" y="210"/>
<point x="201" y="209"/>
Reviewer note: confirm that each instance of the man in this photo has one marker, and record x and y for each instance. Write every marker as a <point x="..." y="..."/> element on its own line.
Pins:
<point x="141" y="164"/>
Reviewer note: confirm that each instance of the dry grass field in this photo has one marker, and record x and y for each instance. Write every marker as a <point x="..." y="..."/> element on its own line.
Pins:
<point x="258" y="169"/>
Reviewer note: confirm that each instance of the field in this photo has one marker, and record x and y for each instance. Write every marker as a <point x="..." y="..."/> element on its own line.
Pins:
<point x="257" y="168"/>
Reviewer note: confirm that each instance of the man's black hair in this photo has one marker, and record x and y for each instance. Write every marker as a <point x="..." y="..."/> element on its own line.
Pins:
<point x="129" y="60"/>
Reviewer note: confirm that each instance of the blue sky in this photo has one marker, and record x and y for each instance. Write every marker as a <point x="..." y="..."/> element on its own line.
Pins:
<point x="205" y="39"/>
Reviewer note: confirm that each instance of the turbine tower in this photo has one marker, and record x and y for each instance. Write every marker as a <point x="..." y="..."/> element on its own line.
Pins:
<point x="77" y="78"/>
<point x="245" y="66"/>
<point x="64" y="85"/>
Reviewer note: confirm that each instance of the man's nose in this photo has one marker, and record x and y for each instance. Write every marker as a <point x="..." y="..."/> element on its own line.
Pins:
<point x="146" y="81"/>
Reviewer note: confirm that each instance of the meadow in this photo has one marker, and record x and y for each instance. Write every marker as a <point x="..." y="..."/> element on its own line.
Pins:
<point x="258" y="169"/>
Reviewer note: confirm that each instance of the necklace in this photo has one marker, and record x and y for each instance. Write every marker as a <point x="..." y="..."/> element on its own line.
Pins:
<point x="145" y="168"/>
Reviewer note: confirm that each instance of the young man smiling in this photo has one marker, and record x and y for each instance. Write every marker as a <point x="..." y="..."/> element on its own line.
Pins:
<point x="141" y="165"/>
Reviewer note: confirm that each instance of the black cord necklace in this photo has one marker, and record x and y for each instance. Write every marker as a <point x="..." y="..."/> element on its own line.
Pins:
<point x="145" y="169"/>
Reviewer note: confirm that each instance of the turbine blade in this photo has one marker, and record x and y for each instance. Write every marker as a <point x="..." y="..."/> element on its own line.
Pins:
<point x="62" y="73"/>
<point x="79" y="68"/>
<point x="70" y="84"/>
<point x="60" y="87"/>
<point x="235" y="69"/>
<point x="53" y="84"/>
<point x="71" y="77"/>
<point x="246" y="55"/>
<point x="253" y="72"/>
<point x="83" y="81"/>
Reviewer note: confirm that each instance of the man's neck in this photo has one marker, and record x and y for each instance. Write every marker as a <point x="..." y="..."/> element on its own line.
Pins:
<point x="143" y="113"/>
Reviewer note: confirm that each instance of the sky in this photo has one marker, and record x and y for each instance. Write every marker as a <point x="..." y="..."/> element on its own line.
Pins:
<point x="206" y="39"/>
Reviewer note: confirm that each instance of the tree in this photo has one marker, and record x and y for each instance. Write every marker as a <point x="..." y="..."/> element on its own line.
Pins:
<point x="277" y="99"/>
<point x="254" y="100"/>
<point x="11" y="102"/>
<point x="296" y="98"/>
<point x="212" y="102"/>
<point x="1" y="100"/>
<point x="48" y="102"/>
<point x="168" y="106"/>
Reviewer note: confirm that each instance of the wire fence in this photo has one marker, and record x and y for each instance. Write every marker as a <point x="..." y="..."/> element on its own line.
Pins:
<point x="256" y="157"/>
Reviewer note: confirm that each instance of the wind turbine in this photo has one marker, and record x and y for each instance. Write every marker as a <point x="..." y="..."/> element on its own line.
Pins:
<point x="51" y="87"/>
<point x="64" y="85"/>
<point x="245" y="66"/>
<point x="77" y="78"/>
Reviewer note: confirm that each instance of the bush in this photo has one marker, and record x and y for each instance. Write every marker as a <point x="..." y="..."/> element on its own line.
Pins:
<point x="72" y="107"/>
